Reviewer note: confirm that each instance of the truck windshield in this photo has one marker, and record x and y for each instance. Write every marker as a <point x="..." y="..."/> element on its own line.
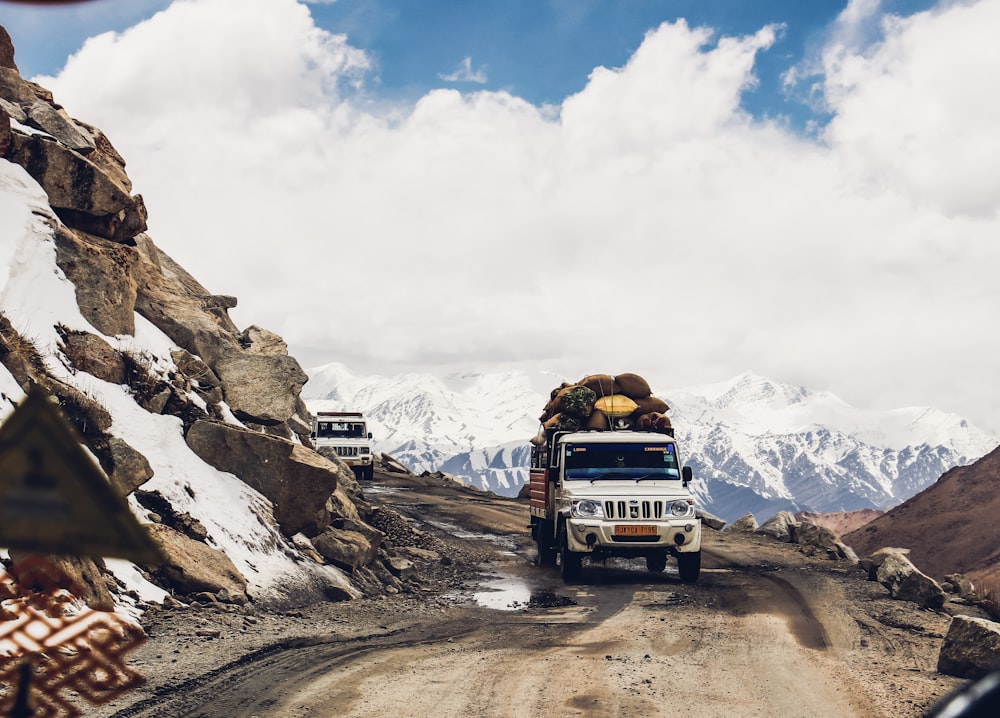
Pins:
<point x="340" y="430"/>
<point x="621" y="461"/>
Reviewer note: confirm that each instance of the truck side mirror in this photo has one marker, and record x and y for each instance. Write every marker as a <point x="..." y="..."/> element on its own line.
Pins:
<point x="686" y="475"/>
<point x="369" y="435"/>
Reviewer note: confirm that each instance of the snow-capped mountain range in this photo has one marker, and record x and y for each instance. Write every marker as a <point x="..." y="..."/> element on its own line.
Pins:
<point x="754" y="444"/>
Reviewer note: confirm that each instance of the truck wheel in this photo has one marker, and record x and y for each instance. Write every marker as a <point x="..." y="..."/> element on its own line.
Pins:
<point x="367" y="472"/>
<point x="570" y="562"/>
<point x="656" y="562"/>
<point x="543" y="542"/>
<point x="689" y="566"/>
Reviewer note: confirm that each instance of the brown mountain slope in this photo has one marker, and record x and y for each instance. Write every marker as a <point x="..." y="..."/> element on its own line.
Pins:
<point x="951" y="526"/>
<point x="840" y="522"/>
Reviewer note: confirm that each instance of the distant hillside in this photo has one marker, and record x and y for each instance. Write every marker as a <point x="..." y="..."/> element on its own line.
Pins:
<point x="840" y="522"/>
<point x="949" y="527"/>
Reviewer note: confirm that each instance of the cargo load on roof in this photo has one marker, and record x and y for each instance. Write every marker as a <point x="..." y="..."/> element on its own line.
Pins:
<point x="602" y="402"/>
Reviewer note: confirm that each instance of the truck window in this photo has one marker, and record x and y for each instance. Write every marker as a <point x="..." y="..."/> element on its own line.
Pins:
<point x="621" y="461"/>
<point x="340" y="430"/>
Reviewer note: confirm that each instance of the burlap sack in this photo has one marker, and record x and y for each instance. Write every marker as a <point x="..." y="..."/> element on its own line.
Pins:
<point x="600" y="384"/>
<point x="647" y="404"/>
<point x="615" y="406"/>
<point x="598" y="421"/>
<point x="652" y="421"/>
<point x="633" y="386"/>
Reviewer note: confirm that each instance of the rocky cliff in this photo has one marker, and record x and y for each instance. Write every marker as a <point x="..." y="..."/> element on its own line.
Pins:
<point x="198" y="422"/>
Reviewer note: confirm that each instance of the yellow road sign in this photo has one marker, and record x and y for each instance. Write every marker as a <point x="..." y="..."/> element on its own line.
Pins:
<point x="54" y="498"/>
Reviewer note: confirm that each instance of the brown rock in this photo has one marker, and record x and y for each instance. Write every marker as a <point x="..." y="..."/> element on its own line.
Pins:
<point x="263" y="389"/>
<point x="80" y="192"/>
<point x="43" y="116"/>
<point x="193" y="566"/>
<point x="6" y="50"/>
<point x="77" y="574"/>
<point x="261" y="341"/>
<point x="971" y="649"/>
<point x="102" y="273"/>
<point x="89" y="353"/>
<point x="297" y="480"/>
<point x="746" y="523"/>
<point x="131" y="469"/>
<point x="346" y="547"/>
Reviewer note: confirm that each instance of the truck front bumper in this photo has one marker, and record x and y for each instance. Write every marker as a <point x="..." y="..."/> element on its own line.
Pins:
<point x="624" y="538"/>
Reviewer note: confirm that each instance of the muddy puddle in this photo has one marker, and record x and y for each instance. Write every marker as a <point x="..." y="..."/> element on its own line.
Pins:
<point x="511" y="593"/>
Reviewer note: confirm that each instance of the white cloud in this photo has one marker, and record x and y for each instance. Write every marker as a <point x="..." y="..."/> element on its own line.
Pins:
<point x="465" y="73"/>
<point x="649" y="225"/>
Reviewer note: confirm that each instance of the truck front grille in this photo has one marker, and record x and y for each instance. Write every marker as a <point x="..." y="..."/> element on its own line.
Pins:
<point x="633" y="510"/>
<point x="346" y="450"/>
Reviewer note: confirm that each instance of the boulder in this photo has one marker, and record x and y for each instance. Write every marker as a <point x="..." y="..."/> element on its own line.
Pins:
<point x="131" y="469"/>
<point x="971" y="648"/>
<point x="906" y="582"/>
<point x="815" y="536"/>
<point x="6" y="50"/>
<point x="746" y="523"/>
<point x="400" y="567"/>
<point x="349" y="547"/>
<point x="80" y="192"/>
<point x="260" y="388"/>
<point x="297" y="480"/>
<point x="89" y="353"/>
<point x="778" y="526"/>
<point x="960" y="584"/>
<point x="102" y="273"/>
<point x="261" y="341"/>
<point x="80" y="575"/>
<point x="707" y="519"/>
<point x="43" y="116"/>
<point x="193" y="567"/>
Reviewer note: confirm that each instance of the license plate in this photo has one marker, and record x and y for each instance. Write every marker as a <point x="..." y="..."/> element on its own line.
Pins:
<point x="627" y="530"/>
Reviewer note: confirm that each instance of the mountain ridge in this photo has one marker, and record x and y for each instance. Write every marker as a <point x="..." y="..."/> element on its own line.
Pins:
<point x="755" y="444"/>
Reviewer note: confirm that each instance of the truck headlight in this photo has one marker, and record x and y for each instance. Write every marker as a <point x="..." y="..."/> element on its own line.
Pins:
<point x="588" y="509"/>
<point x="681" y="508"/>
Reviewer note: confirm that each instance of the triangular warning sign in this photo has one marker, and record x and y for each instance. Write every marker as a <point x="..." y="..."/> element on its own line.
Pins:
<point x="54" y="498"/>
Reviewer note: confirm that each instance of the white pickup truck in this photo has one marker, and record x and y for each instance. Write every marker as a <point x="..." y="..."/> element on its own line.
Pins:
<point x="613" y="493"/>
<point x="345" y="434"/>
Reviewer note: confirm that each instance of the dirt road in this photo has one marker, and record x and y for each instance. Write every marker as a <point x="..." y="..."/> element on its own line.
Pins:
<point x="766" y="631"/>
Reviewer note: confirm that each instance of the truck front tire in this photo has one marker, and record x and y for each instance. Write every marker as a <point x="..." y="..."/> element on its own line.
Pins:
<point x="689" y="566"/>
<point x="570" y="562"/>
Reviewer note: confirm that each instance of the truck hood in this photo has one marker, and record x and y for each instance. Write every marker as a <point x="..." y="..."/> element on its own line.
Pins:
<point x="627" y="488"/>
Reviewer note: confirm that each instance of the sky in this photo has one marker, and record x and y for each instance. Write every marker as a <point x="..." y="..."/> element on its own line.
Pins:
<point x="687" y="190"/>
